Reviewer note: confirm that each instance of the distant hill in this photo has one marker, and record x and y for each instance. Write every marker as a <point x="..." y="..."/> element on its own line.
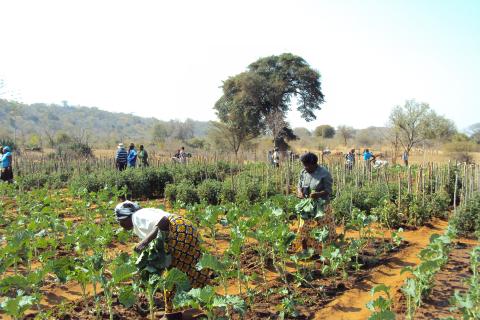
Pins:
<point x="40" y="123"/>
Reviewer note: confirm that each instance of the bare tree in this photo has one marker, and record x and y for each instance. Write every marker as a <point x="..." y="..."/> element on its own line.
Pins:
<point x="415" y="122"/>
<point x="345" y="133"/>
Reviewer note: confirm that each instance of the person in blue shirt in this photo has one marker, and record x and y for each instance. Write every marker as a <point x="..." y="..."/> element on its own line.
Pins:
<point x="6" y="165"/>
<point x="367" y="157"/>
<point x="132" y="156"/>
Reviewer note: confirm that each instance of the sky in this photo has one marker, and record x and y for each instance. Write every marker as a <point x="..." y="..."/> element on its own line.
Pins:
<point x="167" y="59"/>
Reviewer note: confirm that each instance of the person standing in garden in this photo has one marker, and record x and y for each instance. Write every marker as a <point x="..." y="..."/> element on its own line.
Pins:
<point x="405" y="158"/>
<point x="315" y="182"/>
<point x="121" y="157"/>
<point x="182" y="155"/>
<point x="350" y="160"/>
<point x="143" y="156"/>
<point x="174" y="235"/>
<point x="6" y="164"/>
<point x="367" y="157"/>
<point x="132" y="156"/>
<point x="276" y="157"/>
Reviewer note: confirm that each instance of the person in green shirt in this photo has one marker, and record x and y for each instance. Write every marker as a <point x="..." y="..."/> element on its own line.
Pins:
<point x="315" y="182"/>
<point x="143" y="156"/>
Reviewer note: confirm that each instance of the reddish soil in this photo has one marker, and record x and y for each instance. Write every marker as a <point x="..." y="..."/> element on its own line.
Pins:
<point x="447" y="280"/>
<point x="310" y="295"/>
<point x="352" y="304"/>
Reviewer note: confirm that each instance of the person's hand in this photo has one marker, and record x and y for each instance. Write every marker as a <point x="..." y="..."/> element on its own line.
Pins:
<point x="139" y="247"/>
<point x="299" y="194"/>
<point x="315" y="195"/>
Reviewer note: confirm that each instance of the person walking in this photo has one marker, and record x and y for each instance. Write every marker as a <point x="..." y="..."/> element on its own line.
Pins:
<point x="405" y="158"/>
<point x="143" y="156"/>
<point x="315" y="182"/>
<point x="132" y="156"/>
<point x="121" y="157"/>
<point x="6" y="161"/>
<point x="177" y="235"/>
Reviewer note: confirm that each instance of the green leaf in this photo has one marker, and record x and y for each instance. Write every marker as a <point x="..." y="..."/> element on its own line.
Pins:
<point x="380" y="288"/>
<point x="382" y="315"/>
<point x="211" y="262"/>
<point x="127" y="296"/>
<point x="15" y="307"/>
<point x="176" y="278"/>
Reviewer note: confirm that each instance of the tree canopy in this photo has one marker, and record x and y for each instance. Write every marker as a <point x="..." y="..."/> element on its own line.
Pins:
<point x="261" y="96"/>
<point x="325" y="131"/>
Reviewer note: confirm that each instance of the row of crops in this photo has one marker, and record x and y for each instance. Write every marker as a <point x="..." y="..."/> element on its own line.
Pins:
<point x="419" y="285"/>
<point x="62" y="236"/>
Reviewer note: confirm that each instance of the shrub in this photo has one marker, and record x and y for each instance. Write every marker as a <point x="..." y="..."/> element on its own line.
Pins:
<point x="186" y="192"/>
<point x="227" y="193"/>
<point x="249" y="191"/>
<point x="209" y="191"/>
<point x="467" y="219"/>
<point x="171" y="192"/>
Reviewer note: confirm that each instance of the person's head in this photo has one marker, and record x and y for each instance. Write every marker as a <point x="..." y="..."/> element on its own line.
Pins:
<point x="121" y="146"/>
<point x="141" y="147"/>
<point x="132" y="146"/>
<point x="366" y="150"/>
<point x="124" y="212"/>
<point x="183" y="148"/>
<point x="309" y="161"/>
<point x="352" y="151"/>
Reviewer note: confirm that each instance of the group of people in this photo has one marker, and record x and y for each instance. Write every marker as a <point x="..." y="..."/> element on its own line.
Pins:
<point x="182" y="241"/>
<point x="180" y="156"/>
<point x="370" y="160"/>
<point x="6" y="162"/>
<point x="128" y="159"/>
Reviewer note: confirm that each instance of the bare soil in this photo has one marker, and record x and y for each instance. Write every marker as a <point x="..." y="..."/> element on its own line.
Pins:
<point x="447" y="280"/>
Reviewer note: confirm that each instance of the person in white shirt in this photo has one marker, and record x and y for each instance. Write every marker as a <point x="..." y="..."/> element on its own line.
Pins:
<point x="182" y="242"/>
<point x="276" y="157"/>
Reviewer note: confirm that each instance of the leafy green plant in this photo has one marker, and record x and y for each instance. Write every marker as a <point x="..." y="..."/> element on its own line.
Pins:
<point x="469" y="302"/>
<point x="310" y="209"/>
<point x="207" y="300"/>
<point x="381" y="307"/>
<point x="120" y="270"/>
<point x="209" y="191"/>
<point x="16" y="307"/>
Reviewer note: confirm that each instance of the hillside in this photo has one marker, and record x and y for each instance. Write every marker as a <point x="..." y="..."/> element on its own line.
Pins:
<point x="38" y="123"/>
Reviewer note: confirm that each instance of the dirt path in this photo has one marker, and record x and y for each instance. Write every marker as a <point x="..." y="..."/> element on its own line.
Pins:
<point x="351" y="305"/>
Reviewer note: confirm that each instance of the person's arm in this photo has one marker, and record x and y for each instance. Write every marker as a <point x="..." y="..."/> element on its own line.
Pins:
<point x="326" y="187"/>
<point x="299" y="186"/>
<point x="162" y="225"/>
<point x="130" y="156"/>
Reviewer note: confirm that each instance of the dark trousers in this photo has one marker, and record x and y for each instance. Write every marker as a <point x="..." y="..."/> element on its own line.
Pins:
<point x="7" y="174"/>
<point x="121" y="166"/>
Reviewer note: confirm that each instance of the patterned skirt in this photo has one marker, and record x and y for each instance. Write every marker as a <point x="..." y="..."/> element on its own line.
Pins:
<point x="306" y="241"/>
<point x="183" y="243"/>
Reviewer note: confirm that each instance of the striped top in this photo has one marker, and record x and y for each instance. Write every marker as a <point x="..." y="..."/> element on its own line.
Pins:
<point x="121" y="155"/>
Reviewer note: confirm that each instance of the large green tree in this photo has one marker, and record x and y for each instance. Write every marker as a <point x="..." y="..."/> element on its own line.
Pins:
<point x="325" y="131"/>
<point x="265" y="91"/>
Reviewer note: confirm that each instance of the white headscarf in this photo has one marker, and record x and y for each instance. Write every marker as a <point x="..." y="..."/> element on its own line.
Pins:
<point x="126" y="209"/>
